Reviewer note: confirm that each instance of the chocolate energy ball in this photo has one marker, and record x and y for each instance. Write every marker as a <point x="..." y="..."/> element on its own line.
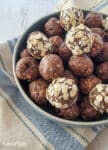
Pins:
<point x="87" y="111"/>
<point x="38" y="45"/>
<point x="79" y="39"/>
<point x="99" y="31"/>
<point x="37" y="91"/>
<point x="27" y="69"/>
<point x="97" y="45"/>
<point x="62" y="93"/>
<point x="71" y="17"/>
<point x="64" y="52"/>
<point x="56" y="41"/>
<point x="105" y="23"/>
<point x="103" y="56"/>
<point x="70" y="113"/>
<point x="69" y="75"/>
<point x="52" y="27"/>
<point x="94" y="19"/>
<point x="98" y="98"/>
<point x="51" y="67"/>
<point x="24" y="53"/>
<point x="81" y="65"/>
<point x="102" y="71"/>
<point x="88" y="83"/>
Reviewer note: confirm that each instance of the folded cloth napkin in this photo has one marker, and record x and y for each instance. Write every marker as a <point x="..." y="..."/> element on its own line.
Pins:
<point x="21" y="127"/>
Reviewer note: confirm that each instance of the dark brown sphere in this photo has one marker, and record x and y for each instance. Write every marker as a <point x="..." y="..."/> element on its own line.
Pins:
<point x="64" y="52"/>
<point x="93" y="19"/>
<point x="103" y="56"/>
<point x="97" y="45"/>
<point x="87" y="112"/>
<point x="102" y="71"/>
<point x="98" y="31"/>
<point x="69" y="75"/>
<point x="56" y="41"/>
<point x="27" y="69"/>
<point x="52" y="27"/>
<point x="81" y="65"/>
<point x="51" y="67"/>
<point x="37" y="91"/>
<point x="88" y="83"/>
<point x="70" y="113"/>
<point x="24" y="53"/>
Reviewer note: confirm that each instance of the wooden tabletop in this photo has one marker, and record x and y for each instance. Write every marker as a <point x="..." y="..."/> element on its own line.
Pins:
<point x="15" y="17"/>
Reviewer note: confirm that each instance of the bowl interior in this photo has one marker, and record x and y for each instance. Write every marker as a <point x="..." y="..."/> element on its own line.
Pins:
<point x="49" y="113"/>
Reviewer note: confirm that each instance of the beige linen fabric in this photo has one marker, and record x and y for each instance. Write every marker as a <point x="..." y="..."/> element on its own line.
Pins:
<point x="16" y="131"/>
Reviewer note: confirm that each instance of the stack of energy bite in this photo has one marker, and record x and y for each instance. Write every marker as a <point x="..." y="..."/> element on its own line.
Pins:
<point x="67" y="65"/>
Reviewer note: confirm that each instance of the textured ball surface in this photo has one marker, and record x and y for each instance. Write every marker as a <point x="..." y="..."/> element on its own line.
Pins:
<point x="27" y="69"/>
<point x="81" y="65"/>
<point x="70" y="113"/>
<point x="102" y="71"/>
<point x="64" y="52"/>
<point x="98" y="98"/>
<point x="79" y="40"/>
<point x="88" y="83"/>
<point x="97" y="46"/>
<point x="87" y="111"/>
<point x="38" y="45"/>
<point x="62" y="93"/>
<point x="93" y="19"/>
<point x="71" y="17"/>
<point x="37" y="91"/>
<point x="51" y="67"/>
<point x="52" y="27"/>
<point x="56" y="42"/>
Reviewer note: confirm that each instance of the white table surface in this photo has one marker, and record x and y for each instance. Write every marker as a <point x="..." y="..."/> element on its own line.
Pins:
<point x="15" y="17"/>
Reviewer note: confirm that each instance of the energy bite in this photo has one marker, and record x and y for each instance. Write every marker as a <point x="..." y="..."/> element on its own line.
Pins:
<point x="79" y="39"/>
<point x="52" y="27"/>
<point x="70" y="113"/>
<point x="69" y="75"/>
<point x="37" y="91"/>
<point x="81" y="65"/>
<point x="103" y="56"/>
<point x="98" y="98"/>
<point x="51" y="67"/>
<point x="24" y="53"/>
<point x="64" y="52"/>
<point x="71" y="17"/>
<point x="97" y="45"/>
<point x="56" y="41"/>
<point x="27" y="69"/>
<point x="88" y="83"/>
<point x="62" y="93"/>
<point x="102" y="71"/>
<point x="87" y="111"/>
<point x="93" y="19"/>
<point x="99" y="31"/>
<point x="38" y="45"/>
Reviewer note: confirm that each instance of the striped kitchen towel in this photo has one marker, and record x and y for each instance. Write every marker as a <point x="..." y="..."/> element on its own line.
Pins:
<point x="21" y="127"/>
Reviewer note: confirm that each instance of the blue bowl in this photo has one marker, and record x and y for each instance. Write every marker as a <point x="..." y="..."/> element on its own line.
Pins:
<point x="38" y="25"/>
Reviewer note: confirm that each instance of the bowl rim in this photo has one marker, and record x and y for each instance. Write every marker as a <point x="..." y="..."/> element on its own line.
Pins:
<point x="36" y="107"/>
